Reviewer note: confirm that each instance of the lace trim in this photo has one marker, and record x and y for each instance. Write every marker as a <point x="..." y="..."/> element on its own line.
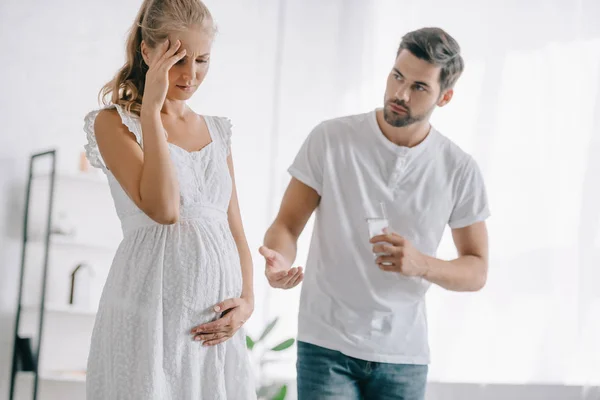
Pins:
<point x="131" y="122"/>
<point x="91" y="148"/>
<point x="224" y="126"/>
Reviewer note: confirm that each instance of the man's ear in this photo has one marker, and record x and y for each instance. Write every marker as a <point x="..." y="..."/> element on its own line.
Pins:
<point x="445" y="97"/>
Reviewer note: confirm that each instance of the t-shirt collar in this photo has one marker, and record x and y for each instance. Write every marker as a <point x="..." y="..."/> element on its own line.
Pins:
<point x="400" y="150"/>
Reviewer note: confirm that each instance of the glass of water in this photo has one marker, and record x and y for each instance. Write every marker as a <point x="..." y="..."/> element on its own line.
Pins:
<point x="376" y="226"/>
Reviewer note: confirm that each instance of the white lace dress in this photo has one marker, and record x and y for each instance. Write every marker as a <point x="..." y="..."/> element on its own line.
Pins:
<point x="164" y="280"/>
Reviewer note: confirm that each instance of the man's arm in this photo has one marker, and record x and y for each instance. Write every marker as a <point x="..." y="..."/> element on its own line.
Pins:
<point x="468" y="272"/>
<point x="280" y="243"/>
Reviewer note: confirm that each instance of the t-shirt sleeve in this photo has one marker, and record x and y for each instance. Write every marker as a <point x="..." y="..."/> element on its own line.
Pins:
<point x="470" y="199"/>
<point x="308" y="166"/>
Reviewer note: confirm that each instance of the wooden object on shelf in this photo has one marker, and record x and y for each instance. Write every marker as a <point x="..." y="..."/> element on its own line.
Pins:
<point x="80" y="286"/>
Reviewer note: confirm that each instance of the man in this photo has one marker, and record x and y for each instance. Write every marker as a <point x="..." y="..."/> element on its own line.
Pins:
<point x="362" y="329"/>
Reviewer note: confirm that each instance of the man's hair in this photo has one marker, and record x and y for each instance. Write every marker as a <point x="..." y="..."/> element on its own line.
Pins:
<point x="437" y="47"/>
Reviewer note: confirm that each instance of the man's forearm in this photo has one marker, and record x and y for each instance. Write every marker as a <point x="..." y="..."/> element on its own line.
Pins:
<point x="464" y="274"/>
<point x="281" y="240"/>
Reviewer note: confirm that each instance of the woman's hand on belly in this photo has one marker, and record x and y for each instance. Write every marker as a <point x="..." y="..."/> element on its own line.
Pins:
<point x="234" y="313"/>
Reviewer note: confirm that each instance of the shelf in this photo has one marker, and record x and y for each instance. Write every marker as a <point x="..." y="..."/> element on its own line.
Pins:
<point x="57" y="376"/>
<point x="66" y="376"/>
<point x="77" y="200"/>
<point x="93" y="178"/>
<point x="61" y="309"/>
<point x="73" y="242"/>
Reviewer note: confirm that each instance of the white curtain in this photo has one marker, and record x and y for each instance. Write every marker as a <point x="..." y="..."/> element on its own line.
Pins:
<point x="527" y="107"/>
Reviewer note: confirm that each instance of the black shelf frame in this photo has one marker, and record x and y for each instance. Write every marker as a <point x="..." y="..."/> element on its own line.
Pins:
<point x="36" y="355"/>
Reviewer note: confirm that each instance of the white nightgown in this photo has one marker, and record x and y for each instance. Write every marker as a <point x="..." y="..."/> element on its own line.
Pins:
<point x="164" y="280"/>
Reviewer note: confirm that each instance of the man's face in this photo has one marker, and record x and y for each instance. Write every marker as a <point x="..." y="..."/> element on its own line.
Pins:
<point x="412" y="91"/>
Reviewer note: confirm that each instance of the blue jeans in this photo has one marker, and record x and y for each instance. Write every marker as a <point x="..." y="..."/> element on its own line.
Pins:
<point x="325" y="374"/>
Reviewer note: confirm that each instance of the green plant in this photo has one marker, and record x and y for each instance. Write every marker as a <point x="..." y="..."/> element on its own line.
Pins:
<point x="261" y="352"/>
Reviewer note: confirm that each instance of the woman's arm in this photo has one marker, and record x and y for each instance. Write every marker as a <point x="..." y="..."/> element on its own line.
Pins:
<point x="147" y="175"/>
<point x="237" y="230"/>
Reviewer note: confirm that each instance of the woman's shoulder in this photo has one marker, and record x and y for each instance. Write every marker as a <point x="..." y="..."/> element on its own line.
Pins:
<point x="223" y="124"/>
<point x="108" y="116"/>
<point x="112" y="119"/>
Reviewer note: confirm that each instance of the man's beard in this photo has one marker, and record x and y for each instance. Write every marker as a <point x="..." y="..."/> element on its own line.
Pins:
<point x="400" y="121"/>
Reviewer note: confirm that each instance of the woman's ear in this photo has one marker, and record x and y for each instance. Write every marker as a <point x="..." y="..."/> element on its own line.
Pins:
<point x="145" y="50"/>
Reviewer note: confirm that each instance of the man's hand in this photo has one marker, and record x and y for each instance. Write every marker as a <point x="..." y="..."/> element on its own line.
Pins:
<point x="278" y="271"/>
<point x="399" y="255"/>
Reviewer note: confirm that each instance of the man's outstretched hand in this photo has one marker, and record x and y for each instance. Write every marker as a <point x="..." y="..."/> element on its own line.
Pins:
<point x="278" y="270"/>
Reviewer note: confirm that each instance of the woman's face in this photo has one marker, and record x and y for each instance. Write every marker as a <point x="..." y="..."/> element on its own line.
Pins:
<point x="187" y="74"/>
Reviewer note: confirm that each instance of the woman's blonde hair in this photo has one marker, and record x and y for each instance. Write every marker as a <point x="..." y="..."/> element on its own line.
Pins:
<point x="155" y="20"/>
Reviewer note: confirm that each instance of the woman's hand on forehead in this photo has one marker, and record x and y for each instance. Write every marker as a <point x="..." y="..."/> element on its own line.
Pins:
<point x="195" y="42"/>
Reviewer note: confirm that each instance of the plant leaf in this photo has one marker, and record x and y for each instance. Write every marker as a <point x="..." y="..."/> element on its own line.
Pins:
<point x="284" y="345"/>
<point x="249" y="342"/>
<point x="268" y="329"/>
<point x="281" y="394"/>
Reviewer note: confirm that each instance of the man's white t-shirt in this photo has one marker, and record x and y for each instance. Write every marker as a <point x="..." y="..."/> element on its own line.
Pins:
<point x="347" y="303"/>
